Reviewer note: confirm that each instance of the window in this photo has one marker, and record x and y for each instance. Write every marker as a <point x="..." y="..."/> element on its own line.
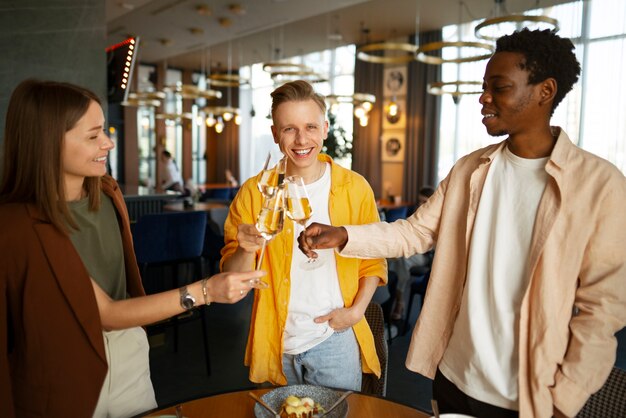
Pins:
<point x="591" y="114"/>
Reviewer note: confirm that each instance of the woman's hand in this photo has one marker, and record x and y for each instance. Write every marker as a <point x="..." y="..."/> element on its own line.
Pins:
<point x="341" y="318"/>
<point x="230" y="287"/>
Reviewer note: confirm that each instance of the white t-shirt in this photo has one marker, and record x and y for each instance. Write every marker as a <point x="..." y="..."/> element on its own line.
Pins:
<point x="170" y="174"/>
<point x="313" y="292"/>
<point x="482" y="355"/>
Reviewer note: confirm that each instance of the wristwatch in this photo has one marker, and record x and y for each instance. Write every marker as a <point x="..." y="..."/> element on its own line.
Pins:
<point x="186" y="300"/>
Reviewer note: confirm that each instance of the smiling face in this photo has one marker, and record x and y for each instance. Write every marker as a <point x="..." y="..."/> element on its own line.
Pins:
<point x="299" y="130"/>
<point x="85" y="150"/>
<point x="510" y="104"/>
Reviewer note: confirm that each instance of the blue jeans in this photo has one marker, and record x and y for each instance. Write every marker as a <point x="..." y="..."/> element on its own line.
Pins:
<point x="335" y="363"/>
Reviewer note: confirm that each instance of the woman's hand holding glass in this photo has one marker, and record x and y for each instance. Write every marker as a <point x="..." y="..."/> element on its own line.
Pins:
<point x="269" y="223"/>
<point x="270" y="219"/>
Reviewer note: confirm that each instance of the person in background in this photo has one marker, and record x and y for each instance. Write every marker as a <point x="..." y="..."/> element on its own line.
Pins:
<point x="230" y="179"/>
<point x="527" y="289"/>
<point x="402" y="265"/>
<point x="71" y="299"/>
<point x="170" y="175"/>
<point x="308" y="326"/>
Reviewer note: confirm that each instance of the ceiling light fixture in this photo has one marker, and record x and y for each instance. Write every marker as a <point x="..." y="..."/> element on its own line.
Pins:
<point x="501" y="23"/>
<point x="190" y="91"/>
<point x="455" y="88"/>
<point x="362" y="102"/>
<point x="463" y="46"/>
<point x="390" y="52"/>
<point x="147" y="99"/>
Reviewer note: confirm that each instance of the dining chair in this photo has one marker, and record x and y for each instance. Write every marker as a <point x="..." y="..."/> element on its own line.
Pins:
<point x="370" y="383"/>
<point x="610" y="400"/>
<point x="218" y="193"/>
<point x="392" y="286"/>
<point x="393" y="214"/>
<point x="213" y="243"/>
<point x="168" y="241"/>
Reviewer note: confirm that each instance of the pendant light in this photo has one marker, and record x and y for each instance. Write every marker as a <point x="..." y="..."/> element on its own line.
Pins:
<point x="500" y="22"/>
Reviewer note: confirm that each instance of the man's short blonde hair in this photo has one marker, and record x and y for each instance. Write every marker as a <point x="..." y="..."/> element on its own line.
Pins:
<point x="296" y="91"/>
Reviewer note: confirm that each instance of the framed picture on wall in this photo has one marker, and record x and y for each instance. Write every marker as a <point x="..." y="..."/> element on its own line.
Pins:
<point x="394" y="81"/>
<point x="397" y="121"/>
<point x="392" y="149"/>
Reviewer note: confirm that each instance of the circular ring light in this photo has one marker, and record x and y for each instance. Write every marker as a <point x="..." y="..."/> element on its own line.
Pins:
<point x="455" y="88"/>
<point x="226" y="80"/>
<point x="422" y="55"/>
<point x="310" y="76"/>
<point x="355" y="98"/>
<point x="364" y="52"/>
<point x="513" y="19"/>
<point x="190" y="91"/>
<point x="277" y="67"/>
<point x="174" y="116"/>
<point x="148" y="98"/>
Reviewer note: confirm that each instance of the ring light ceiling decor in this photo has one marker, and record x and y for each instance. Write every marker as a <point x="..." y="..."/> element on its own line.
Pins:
<point x="148" y="99"/>
<point x="501" y="22"/>
<point x="403" y="52"/>
<point x="455" y="88"/>
<point x="190" y="91"/>
<point x="422" y="55"/>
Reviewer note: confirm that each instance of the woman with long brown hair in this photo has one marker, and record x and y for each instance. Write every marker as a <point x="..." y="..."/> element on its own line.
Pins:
<point x="71" y="299"/>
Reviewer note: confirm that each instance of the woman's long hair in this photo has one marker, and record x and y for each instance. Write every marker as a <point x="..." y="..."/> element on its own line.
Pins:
<point x="38" y="117"/>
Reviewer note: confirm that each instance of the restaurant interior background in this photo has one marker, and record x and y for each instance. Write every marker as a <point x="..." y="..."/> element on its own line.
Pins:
<point x="190" y="48"/>
<point x="187" y="48"/>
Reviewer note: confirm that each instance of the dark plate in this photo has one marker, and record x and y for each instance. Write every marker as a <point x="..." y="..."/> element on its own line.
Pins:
<point x="324" y="396"/>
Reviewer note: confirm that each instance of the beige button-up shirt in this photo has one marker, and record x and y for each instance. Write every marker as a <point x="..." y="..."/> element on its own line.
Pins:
<point x="575" y="301"/>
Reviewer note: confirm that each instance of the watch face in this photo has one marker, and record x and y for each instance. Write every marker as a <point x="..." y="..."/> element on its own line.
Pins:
<point x="187" y="301"/>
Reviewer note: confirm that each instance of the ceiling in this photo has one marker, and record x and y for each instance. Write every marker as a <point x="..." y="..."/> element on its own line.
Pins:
<point x="265" y="30"/>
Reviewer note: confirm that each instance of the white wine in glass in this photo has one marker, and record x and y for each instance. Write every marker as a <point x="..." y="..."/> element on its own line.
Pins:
<point x="298" y="209"/>
<point x="271" y="178"/>
<point x="269" y="223"/>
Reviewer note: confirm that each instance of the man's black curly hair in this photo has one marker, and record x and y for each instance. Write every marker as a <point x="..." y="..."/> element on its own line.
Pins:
<point x="547" y="55"/>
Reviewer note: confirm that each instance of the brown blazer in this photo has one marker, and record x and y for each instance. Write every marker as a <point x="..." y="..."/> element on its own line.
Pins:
<point x="52" y="358"/>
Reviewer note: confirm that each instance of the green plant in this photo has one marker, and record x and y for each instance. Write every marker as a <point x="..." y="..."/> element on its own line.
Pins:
<point x="339" y="142"/>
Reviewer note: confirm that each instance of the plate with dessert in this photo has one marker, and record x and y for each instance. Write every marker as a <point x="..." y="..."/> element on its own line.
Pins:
<point x="302" y="401"/>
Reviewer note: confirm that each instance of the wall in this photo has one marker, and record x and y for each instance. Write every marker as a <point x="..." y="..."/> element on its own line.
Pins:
<point x="58" y="40"/>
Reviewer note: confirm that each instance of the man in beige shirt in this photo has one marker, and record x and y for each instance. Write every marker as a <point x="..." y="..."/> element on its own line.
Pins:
<point x="527" y="287"/>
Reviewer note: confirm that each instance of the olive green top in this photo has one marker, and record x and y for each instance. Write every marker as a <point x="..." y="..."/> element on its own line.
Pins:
<point x="99" y="243"/>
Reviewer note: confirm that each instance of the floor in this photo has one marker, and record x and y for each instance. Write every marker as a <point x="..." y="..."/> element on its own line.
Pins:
<point x="182" y="376"/>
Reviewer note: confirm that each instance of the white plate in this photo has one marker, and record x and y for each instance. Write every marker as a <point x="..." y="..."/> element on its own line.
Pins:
<point x="453" y="416"/>
<point x="324" y="396"/>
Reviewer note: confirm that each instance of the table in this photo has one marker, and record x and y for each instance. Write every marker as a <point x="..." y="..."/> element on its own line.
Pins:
<point x="198" y="206"/>
<point x="240" y="405"/>
<point x="387" y="204"/>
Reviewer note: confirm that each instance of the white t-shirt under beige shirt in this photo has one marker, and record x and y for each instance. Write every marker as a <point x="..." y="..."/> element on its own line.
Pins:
<point x="313" y="292"/>
<point x="482" y="355"/>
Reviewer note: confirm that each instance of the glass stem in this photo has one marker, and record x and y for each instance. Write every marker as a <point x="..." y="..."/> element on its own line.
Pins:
<point x="258" y="265"/>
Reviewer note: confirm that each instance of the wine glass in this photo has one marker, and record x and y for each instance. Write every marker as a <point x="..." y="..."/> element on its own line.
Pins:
<point x="298" y="209"/>
<point x="271" y="177"/>
<point x="269" y="223"/>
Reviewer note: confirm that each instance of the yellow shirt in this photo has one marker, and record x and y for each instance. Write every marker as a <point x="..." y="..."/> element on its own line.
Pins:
<point x="351" y="201"/>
